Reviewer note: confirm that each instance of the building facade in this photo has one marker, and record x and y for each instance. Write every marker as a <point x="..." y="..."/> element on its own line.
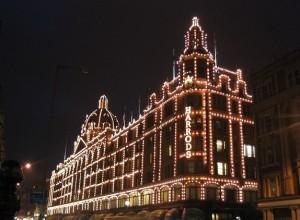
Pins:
<point x="2" y="137"/>
<point x="277" y="116"/>
<point x="191" y="150"/>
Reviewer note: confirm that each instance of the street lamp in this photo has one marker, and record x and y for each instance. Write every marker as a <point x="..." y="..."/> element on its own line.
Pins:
<point x="27" y="166"/>
<point x="127" y="203"/>
<point x="78" y="194"/>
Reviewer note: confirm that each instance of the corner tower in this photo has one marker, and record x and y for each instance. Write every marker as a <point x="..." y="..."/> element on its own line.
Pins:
<point x="196" y="60"/>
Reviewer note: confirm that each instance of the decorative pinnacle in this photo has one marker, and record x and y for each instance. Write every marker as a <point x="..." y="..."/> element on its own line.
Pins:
<point x="195" y="21"/>
<point x="103" y="102"/>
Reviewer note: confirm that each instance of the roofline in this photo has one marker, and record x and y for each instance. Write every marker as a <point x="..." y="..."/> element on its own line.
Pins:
<point x="276" y="62"/>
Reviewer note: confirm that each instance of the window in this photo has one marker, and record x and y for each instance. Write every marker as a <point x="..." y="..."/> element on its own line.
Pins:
<point x="164" y="195"/>
<point x="222" y="168"/>
<point x="212" y="193"/>
<point x="249" y="150"/>
<point x="122" y="202"/>
<point x="147" y="198"/>
<point x="234" y="107"/>
<point x="250" y="170"/>
<point x="197" y="143"/>
<point x="250" y="196"/>
<point x="128" y="166"/>
<point x="118" y="170"/>
<point x="130" y="135"/>
<point x="230" y="195"/>
<point x="273" y="187"/>
<point x="117" y="185"/>
<point x="219" y="102"/>
<point x="137" y="179"/>
<point x="282" y="214"/>
<point x="150" y="158"/>
<point x="193" y="100"/>
<point x="191" y="167"/>
<point x="170" y="151"/>
<point x="220" y="126"/>
<point x="137" y="163"/>
<point x="177" y="193"/>
<point x="221" y="216"/>
<point x="105" y="204"/>
<point x="197" y="123"/>
<point x="270" y="155"/>
<point x="246" y="108"/>
<point x="140" y="129"/>
<point x="128" y="152"/>
<point x="133" y="200"/>
<point x="168" y="109"/>
<point x="193" y="192"/>
<point x="113" y="204"/>
<point x="150" y="120"/>
<point x="138" y="147"/>
<point x="168" y="131"/>
<point x="221" y="145"/>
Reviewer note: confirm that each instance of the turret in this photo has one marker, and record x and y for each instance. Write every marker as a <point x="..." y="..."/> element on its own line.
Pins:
<point x="196" y="60"/>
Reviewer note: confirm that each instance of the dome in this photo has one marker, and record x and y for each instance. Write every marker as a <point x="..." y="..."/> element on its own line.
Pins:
<point x="102" y="118"/>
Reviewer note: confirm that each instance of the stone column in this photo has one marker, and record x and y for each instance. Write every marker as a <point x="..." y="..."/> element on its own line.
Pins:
<point x="264" y="214"/>
<point x="298" y="212"/>
<point x="294" y="213"/>
<point x="298" y="168"/>
<point x="270" y="215"/>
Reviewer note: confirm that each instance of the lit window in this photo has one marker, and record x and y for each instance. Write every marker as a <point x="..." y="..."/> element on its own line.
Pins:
<point x="150" y="158"/>
<point x="273" y="187"/>
<point x="222" y="168"/>
<point x="221" y="145"/>
<point x="191" y="167"/>
<point x="249" y="150"/>
<point x="170" y="151"/>
<point x="147" y="199"/>
<point x="177" y="193"/>
<point x="164" y="196"/>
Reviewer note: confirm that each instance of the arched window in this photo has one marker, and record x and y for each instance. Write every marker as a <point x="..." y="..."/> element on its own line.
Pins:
<point x="164" y="195"/>
<point x="113" y="203"/>
<point x="104" y="204"/>
<point x="122" y="201"/>
<point x="133" y="200"/>
<point x="212" y="193"/>
<point x="250" y="196"/>
<point x="193" y="192"/>
<point x="176" y="193"/>
<point x="147" y="198"/>
<point x="230" y="195"/>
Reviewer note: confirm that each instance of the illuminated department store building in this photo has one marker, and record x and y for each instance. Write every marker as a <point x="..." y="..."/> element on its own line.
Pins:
<point x="190" y="151"/>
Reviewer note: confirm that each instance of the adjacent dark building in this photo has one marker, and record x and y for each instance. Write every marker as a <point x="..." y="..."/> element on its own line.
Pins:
<point x="277" y="118"/>
<point x="191" y="151"/>
<point x="2" y="136"/>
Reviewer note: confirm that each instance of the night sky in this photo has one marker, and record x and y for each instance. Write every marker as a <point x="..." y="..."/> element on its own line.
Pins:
<point x="127" y="48"/>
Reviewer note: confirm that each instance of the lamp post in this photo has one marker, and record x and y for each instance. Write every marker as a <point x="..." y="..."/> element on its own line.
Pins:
<point x="22" y="189"/>
<point x="27" y="166"/>
<point x="127" y="203"/>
